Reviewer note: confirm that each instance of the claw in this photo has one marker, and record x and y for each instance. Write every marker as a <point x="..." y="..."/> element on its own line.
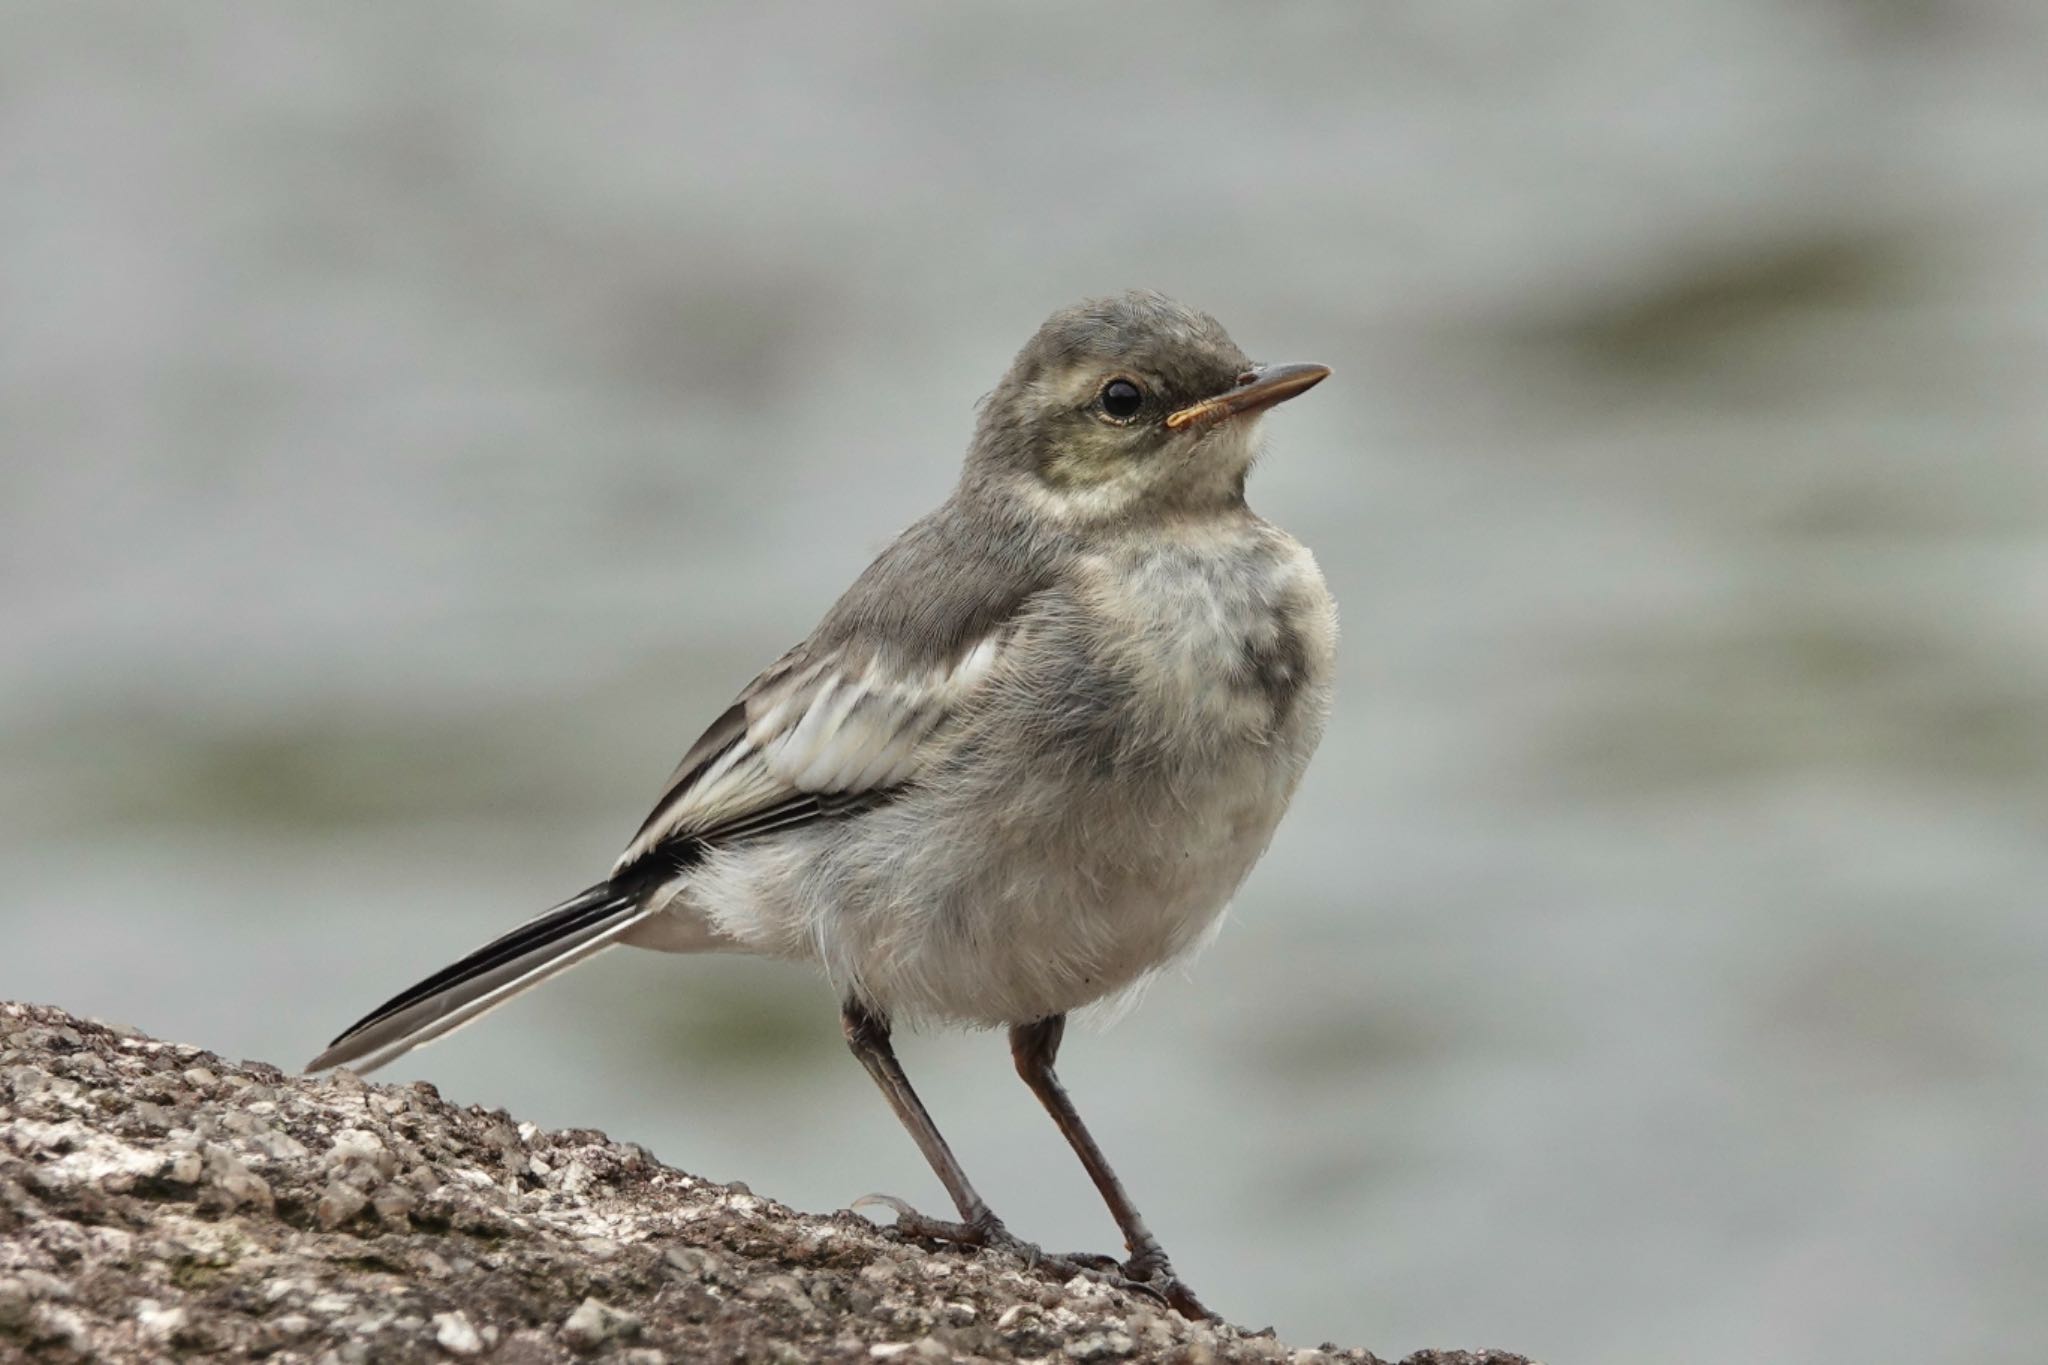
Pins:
<point x="1173" y="1293"/>
<point x="886" y="1201"/>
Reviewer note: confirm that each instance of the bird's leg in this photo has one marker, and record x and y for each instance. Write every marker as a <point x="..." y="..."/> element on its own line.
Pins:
<point x="1033" y="1047"/>
<point x="867" y="1033"/>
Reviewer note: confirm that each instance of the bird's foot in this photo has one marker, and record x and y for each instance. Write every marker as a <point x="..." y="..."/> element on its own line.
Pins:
<point x="1148" y="1273"/>
<point x="1150" y="1270"/>
<point x="986" y="1232"/>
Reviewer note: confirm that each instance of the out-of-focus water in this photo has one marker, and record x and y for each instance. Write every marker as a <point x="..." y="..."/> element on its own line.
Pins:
<point x="416" y="423"/>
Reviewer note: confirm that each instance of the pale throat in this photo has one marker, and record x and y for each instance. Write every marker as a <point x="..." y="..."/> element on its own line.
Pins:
<point x="1209" y="474"/>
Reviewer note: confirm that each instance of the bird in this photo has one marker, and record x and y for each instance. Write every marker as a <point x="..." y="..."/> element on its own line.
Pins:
<point x="1024" y="762"/>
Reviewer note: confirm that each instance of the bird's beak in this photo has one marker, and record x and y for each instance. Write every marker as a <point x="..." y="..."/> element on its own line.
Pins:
<point x="1256" y="390"/>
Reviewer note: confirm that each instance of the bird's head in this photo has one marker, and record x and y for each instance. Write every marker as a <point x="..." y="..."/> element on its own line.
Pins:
<point x="1128" y="405"/>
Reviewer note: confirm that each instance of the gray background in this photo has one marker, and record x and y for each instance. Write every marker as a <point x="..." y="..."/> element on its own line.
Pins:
<point x="418" y="420"/>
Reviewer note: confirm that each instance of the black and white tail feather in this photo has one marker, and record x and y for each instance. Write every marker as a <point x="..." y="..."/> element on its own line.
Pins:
<point x="550" y="942"/>
<point x="825" y="734"/>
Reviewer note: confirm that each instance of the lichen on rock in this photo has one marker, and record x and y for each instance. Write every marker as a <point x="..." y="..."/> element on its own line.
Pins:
<point x="158" y="1202"/>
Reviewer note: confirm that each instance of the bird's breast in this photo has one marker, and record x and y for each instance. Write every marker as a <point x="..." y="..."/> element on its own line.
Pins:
<point x="1222" y="636"/>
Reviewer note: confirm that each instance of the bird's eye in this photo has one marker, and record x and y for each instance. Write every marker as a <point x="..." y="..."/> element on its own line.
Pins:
<point x="1120" y="400"/>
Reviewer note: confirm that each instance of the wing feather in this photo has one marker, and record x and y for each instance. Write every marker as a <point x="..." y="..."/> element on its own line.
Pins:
<point x="810" y="734"/>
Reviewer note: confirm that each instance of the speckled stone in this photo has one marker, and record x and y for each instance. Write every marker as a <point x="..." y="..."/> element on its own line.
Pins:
<point x="158" y="1202"/>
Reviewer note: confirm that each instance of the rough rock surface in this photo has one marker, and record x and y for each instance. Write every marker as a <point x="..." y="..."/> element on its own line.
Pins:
<point x="159" y="1203"/>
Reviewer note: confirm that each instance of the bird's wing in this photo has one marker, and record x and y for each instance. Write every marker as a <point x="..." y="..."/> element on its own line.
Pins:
<point x="825" y="731"/>
<point x="818" y="732"/>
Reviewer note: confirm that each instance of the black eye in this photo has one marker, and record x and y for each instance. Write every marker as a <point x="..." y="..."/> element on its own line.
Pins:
<point x="1121" y="399"/>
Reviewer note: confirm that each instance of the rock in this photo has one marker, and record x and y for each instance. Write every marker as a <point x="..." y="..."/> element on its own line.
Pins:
<point x="159" y="1202"/>
<point x="339" y="1203"/>
<point x="453" y="1334"/>
<point x="594" y="1323"/>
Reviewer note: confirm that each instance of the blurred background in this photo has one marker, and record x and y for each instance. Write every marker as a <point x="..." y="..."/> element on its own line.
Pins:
<point x="416" y="422"/>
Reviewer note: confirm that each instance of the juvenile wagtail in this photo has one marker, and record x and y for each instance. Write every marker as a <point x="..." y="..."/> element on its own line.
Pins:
<point x="1021" y="764"/>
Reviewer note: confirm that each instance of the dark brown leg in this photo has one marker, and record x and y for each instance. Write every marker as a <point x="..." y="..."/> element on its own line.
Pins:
<point x="1034" y="1047"/>
<point x="867" y="1034"/>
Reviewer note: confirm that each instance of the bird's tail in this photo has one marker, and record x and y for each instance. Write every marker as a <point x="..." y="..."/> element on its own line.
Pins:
<point x="548" y="943"/>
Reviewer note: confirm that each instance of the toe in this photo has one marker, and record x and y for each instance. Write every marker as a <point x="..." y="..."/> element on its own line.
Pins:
<point x="1182" y="1300"/>
<point x="986" y="1230"/>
